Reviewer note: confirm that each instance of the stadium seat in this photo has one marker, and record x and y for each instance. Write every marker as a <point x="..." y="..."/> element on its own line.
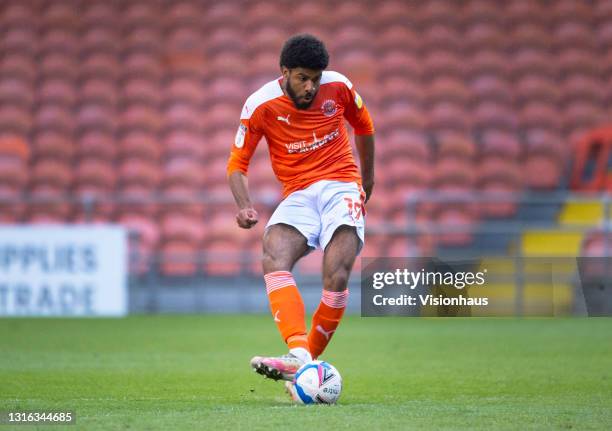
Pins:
<point x="542" y="171"/>
<point x="223" y="257"/>
<point x="183" y="13"/>
<point x="533" y="60"/>
<point x="445" y="89"/>
<point x="490" y="114"/>
<point x="266" y="37"/>
<point x="448" y="116"/>
<point x="16" y="91"/>
<point x="143" y="238"/>
<point x="538" y="88"/>
<point x="574" y="34"/>
<point x="100" y="39"/>
<point x="20" y="39"/>
<point x="526" y="11"/>
<point x="540" y="115"/>
<point x="484" y="37"/>
<point x="488" y="62"/>
<point x="455" y="145"/>
<point x="15" y="119"/>
<point x="138" y="90"/>
<point x="574" y="60"/>
<point x="97" y="144"/>
<point x="185" y="90"/>
<point x="140" y="117"/>
<point x="96" y="115"/>
<point x="55" y="117"/>
<point x="183" y="143"/>
<point x="395" y="88"/>
<point x="100" y="65"/>
<point x="491" y="88"/>
<point x="561" y="10"/>
<point x="442" y="62"/>
<point x="396" y="38"/>
<point x="142" y="65"/>
<point x="176" y="226"/>
<point x="95" y="13"/>
<point x="140" y="172"/>
<point x="407" y="142"/>
<point x="181" y="116"/>
<point x="18" y="65"/>
<point x="441" y="37"/>
<point x="56" y="90"/>
<point x="498" y="177"/>
<point x="500" y="145"/>
<point x="99" y="91"/>
<point x="58" y="64"/>
<point x="392" y="12"/>
<point x="476" y="11"/>
<point x="49" y="144"/>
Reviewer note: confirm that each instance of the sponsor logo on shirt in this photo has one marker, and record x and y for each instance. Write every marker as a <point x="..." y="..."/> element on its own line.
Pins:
<point x="306" y="146"/>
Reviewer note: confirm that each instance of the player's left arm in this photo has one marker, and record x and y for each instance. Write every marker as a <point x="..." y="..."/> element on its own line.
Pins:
<point x="358" y="116"/>
<point x="365" y="148"/>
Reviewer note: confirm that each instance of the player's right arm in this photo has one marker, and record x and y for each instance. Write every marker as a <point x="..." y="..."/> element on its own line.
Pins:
<point x="247" y="137"/>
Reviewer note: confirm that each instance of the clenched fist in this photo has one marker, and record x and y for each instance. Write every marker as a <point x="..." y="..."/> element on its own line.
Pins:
<point x="247" y="218"/>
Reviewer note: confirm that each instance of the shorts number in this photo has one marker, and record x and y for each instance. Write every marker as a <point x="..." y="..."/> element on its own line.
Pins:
<point x="355" y="209"/>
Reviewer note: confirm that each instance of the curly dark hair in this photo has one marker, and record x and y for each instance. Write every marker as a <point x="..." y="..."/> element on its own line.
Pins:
<point x="304" y="50"/>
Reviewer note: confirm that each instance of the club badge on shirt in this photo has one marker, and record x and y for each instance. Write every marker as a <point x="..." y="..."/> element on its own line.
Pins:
<point x="240" y="134"/>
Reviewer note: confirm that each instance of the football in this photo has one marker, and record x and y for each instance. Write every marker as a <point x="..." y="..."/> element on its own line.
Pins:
<point x="318" y="382"/>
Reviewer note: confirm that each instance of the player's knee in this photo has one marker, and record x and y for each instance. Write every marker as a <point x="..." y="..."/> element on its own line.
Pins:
<point x="273" y="262"/>
<point x="337" y="281"/>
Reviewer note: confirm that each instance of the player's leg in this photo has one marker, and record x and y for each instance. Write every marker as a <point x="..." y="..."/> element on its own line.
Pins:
<point x="283" y="245"/>
<point x="338" y="260"/>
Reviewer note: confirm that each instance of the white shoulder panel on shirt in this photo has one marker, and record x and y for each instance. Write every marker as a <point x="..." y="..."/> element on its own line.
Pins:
<point x="331" y="76"/>
<point x="268" y="91"/>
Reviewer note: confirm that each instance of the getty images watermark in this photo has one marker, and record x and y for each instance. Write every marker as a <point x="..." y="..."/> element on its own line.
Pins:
<point x="512" y="287"/>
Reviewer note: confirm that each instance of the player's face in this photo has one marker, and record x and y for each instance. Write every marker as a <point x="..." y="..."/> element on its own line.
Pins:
<point x="302" y="85"/>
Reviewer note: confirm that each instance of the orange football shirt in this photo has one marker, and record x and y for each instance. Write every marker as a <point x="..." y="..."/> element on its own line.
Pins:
<point x="308" y="145"/>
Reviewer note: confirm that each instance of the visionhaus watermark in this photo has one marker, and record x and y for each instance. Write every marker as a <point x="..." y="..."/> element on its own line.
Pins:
<point x="528" y="286"/>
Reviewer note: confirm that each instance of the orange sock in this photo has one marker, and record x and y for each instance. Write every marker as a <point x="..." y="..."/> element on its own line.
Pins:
<point x="287" y="308"/>
<point x="326" y="319"/>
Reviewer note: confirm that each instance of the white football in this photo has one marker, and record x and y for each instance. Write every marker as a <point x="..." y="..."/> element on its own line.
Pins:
<point x="318" y="382"/>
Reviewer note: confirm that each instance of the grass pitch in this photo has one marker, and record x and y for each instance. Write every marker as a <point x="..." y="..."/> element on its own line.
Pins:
<point x="191" y="372"/>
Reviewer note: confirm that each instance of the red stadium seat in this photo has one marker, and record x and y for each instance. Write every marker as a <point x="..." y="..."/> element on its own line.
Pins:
<point x="59" y="13"/>
<point x="55" y="117"/>
<point x="476" y="11"/>
<point x="219" y="15"/>
<point x="180" y="227"/>
<point x="97" y="116"/>
<point x="574" y="34"/>
<point x="393" y="12"/>
<point x="407" y="142"/>
<point x="540" y="115"/>
<point x="15" y="91"/>
<point x="542" y="171"/>
<point x="58" y="64"/>
<point x="443" y="37"/>
<point x="455" y="145"/>
<point x="142" y="65"/>
<point x="20" y="39"/>
<point x="183" y="171"/>
<point x="266" y="38"/>
<point x="100" y="39"/>
<point x="223" y="39"/>
<point x="186" y="90"/>
<point x="18" y="65"/>
<point x="184" y="13"/>
<point x="491" y="88"/>
<point x="178" y="258"/>
<point x="183" y="39"/>
<point x="448" y="116"/>
<point x="533" y="60"/>
<point x="448" y="89"/>
<point x="403" y="115"/>
<point x="442" y="62"/>
<point x="181" y="116"/>
<point x="141" y="117"/>
<point x="438" y="12"/>
<point x="99" y="91"/>
<point x="52" y="144"/>
<point x="223" y="257"/>
<point x="488" y="115"/>
<point x="539" y="88"/>
<point x="396" y="88"/>
<point x="97" y="143"/>
<point x="484" y="36"/>
<point x="500" y="145"/>
<point x="97" y="12"/>
<point x="498" y="176"/>
<point x="15" y="119"/>
<point x="183" y="143"/>
<point x="488" y="62"/>
<point x="397" y="38"/>
<point x="574" y="60"/>
<point x="455" y="173"/>
<point x="531" y="35"/>
<point x="138" y="90"/>
<point x="139" y="172"/>
<point x="568" y="9"/>
<point x="143" y="238"/>
<point x="584" y="115"/>
<point x="583" y="87"/>
<point x="56" y="90"/>
<point x="101" y="65"/>
<point x="139" y="144"/>
<point x="526" y="11"/>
